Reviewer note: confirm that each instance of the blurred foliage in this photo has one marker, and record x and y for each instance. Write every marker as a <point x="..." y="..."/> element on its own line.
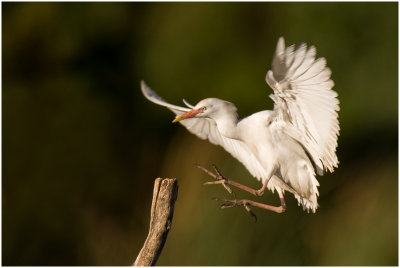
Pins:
<point x="82" y="147"/>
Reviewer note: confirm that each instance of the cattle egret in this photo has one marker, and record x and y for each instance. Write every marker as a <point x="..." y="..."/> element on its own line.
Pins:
<point x="285" y="147"/>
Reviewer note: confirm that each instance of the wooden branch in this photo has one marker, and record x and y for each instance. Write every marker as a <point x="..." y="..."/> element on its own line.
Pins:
<point x="162" y="210"/>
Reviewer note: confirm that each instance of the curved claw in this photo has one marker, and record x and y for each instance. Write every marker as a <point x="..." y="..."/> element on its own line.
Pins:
<point x="219" y="174"/>
<point x="251" y="212"/>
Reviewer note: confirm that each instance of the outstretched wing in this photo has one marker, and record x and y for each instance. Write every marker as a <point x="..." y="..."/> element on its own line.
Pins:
<point x="206" y="128"/>
<point x="305" y="101"/>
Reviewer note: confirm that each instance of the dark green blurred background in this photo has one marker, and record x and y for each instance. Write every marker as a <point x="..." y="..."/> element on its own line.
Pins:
<point x="82" y="147"/>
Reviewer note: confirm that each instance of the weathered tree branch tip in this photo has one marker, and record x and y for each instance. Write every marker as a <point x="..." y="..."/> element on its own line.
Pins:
<point x="162" y="210"/>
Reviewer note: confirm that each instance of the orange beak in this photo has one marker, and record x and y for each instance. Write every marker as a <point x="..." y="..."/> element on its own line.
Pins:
<point x="190" y="114"/>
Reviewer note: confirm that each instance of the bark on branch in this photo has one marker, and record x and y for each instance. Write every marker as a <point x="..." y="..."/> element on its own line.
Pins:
<point x="162" y="210"/>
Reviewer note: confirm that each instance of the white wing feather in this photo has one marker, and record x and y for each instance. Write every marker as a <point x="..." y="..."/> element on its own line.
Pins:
<point x="304" y="99"/>
<point x="206" y="128"/>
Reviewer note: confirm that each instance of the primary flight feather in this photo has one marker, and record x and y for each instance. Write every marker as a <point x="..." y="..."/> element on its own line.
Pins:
<point x="284" y="147"/>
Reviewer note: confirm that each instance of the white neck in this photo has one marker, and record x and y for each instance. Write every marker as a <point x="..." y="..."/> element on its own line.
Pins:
<point x="227" y="126"/>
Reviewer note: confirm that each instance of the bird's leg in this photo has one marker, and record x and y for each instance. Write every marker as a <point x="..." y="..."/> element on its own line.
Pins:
<point x="247" y="203"/>
<point x="261" y="191"/>
<point x="220" y="179"/>
<point x="283" y="203"/>
<point x="223" y="180"/>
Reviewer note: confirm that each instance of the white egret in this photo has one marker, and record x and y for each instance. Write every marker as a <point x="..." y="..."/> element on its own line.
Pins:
<point x="284" y="147"/>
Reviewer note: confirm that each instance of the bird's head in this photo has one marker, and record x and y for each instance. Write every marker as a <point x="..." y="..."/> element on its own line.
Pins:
<point x="207" y="108"/>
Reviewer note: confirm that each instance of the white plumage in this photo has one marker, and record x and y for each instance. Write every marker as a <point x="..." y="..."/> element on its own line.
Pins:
<point x="279" y="147"/>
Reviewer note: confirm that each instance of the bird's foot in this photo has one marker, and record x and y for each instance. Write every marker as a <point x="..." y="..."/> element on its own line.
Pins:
<point x="228" y="203"/>
<point x="223" y="183"/>
<point x="220" y="179"/>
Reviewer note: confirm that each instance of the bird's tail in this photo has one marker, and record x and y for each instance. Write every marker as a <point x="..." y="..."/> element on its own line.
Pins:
<point x="307" y="203"/>
<point x="307" y="197"/>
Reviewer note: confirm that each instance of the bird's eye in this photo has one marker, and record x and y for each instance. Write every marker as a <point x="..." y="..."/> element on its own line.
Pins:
<point x="203" y="108"/>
